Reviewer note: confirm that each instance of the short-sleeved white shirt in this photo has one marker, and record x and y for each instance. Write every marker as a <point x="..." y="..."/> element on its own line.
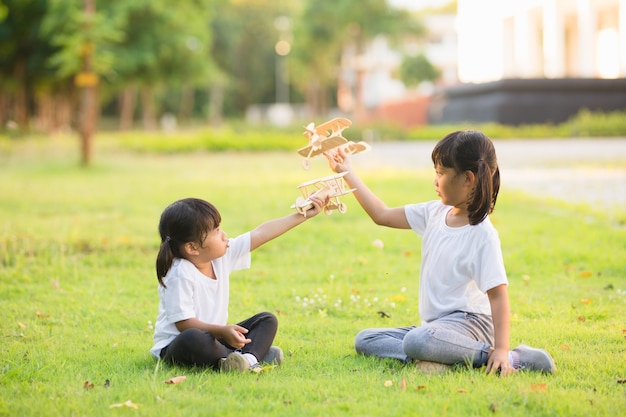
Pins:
<point x="191" y="294"/>
<point x="459" y="264"/>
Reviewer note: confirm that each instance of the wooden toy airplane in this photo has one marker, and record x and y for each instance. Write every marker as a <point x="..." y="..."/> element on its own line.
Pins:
<point x="326" y="137"/>
<point x="332" y="186"/>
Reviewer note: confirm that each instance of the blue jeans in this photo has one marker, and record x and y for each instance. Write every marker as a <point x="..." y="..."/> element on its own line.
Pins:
<point x="459" y="337"/>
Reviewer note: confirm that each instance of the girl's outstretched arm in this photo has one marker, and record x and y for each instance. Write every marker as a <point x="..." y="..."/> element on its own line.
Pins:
<point x="377" y="210"/>
<point x="274" y="228"/>
<point x="501" y="316"/>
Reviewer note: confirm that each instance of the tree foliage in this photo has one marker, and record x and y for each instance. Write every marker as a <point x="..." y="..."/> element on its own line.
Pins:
<point x="416" y="69"/>
<point x="207" y="55"/>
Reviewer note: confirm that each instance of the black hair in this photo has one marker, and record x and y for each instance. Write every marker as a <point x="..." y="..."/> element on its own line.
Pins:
<point x="471" y="150"/>
<point x="183" y="221"/>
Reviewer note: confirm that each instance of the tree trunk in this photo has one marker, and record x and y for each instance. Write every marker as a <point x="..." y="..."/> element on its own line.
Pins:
<point x="216" y="103"/>
<point x="44" y="111"/>
<point x="186" y="104"/>
<point x="20" y="100"/>
<point x="149" y="112"/>
<point x="128" y="99"/>
<point x="313" y="97"/>
<point x="3" y="109"/>
<point x="87" y="80"/>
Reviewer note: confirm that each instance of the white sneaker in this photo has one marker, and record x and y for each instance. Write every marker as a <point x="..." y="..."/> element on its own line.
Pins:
<point x="234" y="362"/>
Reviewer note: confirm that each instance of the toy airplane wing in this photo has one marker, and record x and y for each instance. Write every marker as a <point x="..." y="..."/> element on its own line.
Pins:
<point x="326" y="145"/>
<point x="351" y="147"/>
<point x="331" y="186"/>
<point x="323" y="179"/>
<point x="333" y="127"/>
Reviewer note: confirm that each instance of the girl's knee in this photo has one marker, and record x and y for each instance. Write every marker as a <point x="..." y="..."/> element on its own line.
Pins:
<point x="418" y="342"/>
<point x="361" y="341"/>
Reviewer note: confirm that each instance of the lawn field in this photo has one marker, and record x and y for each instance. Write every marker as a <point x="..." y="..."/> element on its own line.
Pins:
<point x="79" y="293"/>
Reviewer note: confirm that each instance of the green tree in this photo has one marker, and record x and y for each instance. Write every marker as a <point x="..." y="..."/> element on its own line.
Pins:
<point x="82" y="37"/>
<point x="417" y="69"/>
<point x="329" y="29"/>
<point x="243" y="47"/>
<point x="23" y="53"/>
<point x="166" y="47"/>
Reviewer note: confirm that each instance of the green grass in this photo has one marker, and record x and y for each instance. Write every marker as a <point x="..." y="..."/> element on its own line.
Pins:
<point x="78" y="293"/>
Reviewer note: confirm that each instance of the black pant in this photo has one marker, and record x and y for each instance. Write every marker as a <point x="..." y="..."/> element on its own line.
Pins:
<point x="195" y="347"/>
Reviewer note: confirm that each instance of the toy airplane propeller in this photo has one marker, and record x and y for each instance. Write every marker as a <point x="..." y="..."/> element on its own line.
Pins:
<point x="332" y="186"/>
<point x="326" y="137"/>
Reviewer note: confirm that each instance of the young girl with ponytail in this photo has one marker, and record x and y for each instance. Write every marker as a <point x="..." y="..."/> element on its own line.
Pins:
<point x="463" y="298"/>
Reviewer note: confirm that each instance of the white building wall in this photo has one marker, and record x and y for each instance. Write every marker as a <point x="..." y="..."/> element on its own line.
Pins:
<point x="541" y="39"/>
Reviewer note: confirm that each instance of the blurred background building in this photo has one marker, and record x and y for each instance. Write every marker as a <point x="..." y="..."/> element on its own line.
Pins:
<point x="508" y="61"/>
<point x="536" y="61"/>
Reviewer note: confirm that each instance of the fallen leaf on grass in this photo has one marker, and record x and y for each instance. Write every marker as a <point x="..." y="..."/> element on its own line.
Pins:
<point x="421" y="387"/>
<point x="41" y="315"/>
<point x="259" y="369"/>
<point x="586" y="300"/>
<point x="581" y="319"/>
<point x="176" y="380"/>
<point x="22" y="325"/>
<point x="388" y="383"/>
<point x="493" y="407"/>
<point x="586" y="274"/>
<point x="565" y="346"/>
<point x="538" y="388"/>
<point x="88" y="385"/>
<point x="461" y="391"/>
<point x="128" y="404"/>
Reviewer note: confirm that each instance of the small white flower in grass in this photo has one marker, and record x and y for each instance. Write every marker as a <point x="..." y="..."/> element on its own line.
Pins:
<point x="377" y="243"/>
<point x="403" y="289"/>
<point x="298" y="298"/>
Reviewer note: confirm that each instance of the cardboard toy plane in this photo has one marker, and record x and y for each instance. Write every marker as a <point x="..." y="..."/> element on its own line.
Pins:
<point x="326" y="137"/>
<point x="332" y="186"/>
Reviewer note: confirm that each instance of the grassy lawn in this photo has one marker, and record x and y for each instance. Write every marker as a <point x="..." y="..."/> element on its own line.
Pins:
<point x="78" y="294"/>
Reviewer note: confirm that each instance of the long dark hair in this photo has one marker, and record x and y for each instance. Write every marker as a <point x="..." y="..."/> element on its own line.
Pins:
<point x="471" y="150"/>
<point x="183" y="221"/>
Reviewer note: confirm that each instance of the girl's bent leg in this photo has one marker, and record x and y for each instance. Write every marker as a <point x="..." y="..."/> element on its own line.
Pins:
<point x="384" y="343"/>
<point x="195" y="347"/>
<point x="457" y="338"/>
<point x="262" y="328"/>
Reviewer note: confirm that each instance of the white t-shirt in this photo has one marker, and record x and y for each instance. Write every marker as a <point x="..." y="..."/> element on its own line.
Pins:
<point x="459" y="264"/>
<point x="191" y="294"/>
